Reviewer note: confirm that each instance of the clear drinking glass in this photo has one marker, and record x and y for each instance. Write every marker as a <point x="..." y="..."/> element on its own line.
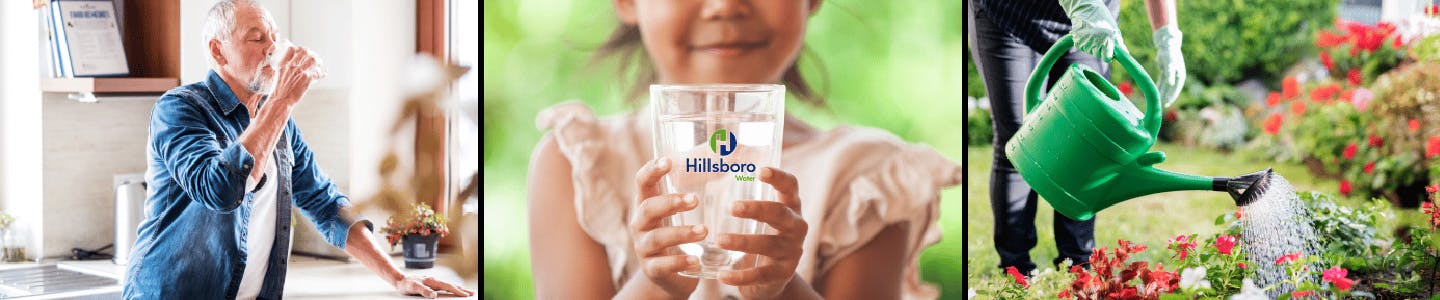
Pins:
<point x="282" y="48"/>
<point x="717" y="138"/>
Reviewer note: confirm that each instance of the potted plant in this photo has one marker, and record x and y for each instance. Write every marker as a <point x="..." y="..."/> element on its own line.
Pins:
<point x="419" y="231"/>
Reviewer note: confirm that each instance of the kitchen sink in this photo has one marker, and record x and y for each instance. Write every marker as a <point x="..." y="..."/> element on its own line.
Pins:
<point x="55" y="282"/>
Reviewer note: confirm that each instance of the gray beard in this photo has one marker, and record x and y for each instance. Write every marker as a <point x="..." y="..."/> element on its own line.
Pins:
<point x="261" y="84"/>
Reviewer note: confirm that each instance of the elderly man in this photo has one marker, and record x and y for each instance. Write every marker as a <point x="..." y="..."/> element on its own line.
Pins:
<point x="226" y="166"/>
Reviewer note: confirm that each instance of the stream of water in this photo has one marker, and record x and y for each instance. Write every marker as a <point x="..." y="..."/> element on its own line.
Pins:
<point x="1276" y="224"/>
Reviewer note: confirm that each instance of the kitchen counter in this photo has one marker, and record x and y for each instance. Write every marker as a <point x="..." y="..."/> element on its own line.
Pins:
<point x="314" y="278"/>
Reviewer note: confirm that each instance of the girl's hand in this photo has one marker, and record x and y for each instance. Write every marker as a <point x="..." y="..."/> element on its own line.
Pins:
<point x="777" y="254"/>
<point x="655" y="243"/>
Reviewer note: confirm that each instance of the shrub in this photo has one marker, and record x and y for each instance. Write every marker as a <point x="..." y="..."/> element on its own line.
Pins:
<point x="1228" y="41"/>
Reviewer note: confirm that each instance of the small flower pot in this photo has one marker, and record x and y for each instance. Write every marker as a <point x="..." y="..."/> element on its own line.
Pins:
<point x="419" y="250"/>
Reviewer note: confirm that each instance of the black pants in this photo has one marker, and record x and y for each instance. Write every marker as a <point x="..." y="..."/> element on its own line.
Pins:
<point x="1005" y="63"/>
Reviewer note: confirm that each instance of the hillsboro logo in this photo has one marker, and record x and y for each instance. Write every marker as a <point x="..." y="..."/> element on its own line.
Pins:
<point x="722" y="142"/>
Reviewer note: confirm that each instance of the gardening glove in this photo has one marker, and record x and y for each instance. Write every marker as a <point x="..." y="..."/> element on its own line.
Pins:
<point x="1171" y="62"/>
<point x="1093" y="28"/>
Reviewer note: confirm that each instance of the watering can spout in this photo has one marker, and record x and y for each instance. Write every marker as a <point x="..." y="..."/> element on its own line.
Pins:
<point x="1245" y="189"/>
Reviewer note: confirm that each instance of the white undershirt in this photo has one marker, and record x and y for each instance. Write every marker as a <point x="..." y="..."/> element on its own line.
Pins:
<point x="260" y="236"/>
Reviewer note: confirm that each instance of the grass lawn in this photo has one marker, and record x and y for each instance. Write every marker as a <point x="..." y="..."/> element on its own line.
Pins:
<point x="1150" y="220"/>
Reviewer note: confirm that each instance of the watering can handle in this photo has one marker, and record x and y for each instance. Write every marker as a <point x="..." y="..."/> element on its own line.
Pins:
<point x="1147" y="86"/>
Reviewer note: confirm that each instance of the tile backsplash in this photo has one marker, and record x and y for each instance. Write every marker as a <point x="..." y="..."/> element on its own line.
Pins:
<point x="86" y="144"/>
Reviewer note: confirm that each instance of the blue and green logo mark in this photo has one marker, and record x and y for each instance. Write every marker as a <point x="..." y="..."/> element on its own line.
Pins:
<point x="723" y="142"/>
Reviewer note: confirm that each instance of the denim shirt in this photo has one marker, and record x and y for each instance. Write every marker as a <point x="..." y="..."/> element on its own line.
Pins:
<point x="192" y="242"/>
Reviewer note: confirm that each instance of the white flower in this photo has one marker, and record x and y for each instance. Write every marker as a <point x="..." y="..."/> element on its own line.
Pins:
<point x="972" y="294"/>
<point x="1194" y="278"/>
<point x="1248" y="291"/>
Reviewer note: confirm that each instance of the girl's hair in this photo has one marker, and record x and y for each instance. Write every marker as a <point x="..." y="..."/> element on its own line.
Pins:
<point x="625" y="44"/>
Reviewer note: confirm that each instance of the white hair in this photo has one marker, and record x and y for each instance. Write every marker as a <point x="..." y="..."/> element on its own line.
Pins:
<point x="220" y="23"/>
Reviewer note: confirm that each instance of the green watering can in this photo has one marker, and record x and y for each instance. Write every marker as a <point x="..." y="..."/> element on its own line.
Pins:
<point x="1085" y="148"/>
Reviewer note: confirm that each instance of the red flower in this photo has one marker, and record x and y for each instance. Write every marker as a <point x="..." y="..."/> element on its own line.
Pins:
<point x="1398" y="42"/>
<point x="1019" y="279"/>
<point x="1297" y="107"/>
<point x="1336" y="275"/>
<point x="1344" y="187"/>
<point x="1169" y="115"/>
<point x="1126" y="88"/>
<point x="1376" y="141"/>
<point x="1182" y="245"/>
<point x="1225" y="243"/>
<point x="1272" y="99"/>
<point x="1325" y="58"/>
<point x="1327" y="39"/>
<point x="1241" y="264"/>
<point x="1350" y="151"/>
<point x="1289" y="87"/>
<point x="1354" y="77"/>
<point x="1298" y="294"/>
<point x="1433" y="212"/>
<point x="1432" y="10"/>
<point x="1325" y="92"/>
<point x="1369" y="167"/>
<point x="1414" y="125"/>
<point x="1432" y="188"/>
<point x="1240" y="213"/>
<point x="1287" y="258"/>
<point x="1432" y="146"/>
<point x="1272" y="123"/>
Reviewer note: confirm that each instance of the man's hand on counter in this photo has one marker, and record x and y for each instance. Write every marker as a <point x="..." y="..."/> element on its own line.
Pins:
<point x="429" y="287"/>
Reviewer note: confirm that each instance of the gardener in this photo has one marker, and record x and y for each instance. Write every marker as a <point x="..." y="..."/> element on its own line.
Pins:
<point x="1010" y="36"/>
<point x="226" y="164"/>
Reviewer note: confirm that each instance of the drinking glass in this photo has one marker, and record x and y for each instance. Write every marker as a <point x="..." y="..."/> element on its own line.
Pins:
<point x="717" y="138"/>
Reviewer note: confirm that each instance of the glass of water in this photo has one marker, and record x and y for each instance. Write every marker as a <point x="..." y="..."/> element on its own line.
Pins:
<point x="717" y="138"/>
<point x="282" y="48"/>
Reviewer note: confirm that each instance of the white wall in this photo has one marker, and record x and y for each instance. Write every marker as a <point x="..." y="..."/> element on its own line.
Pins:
<point x="59" y="155"/>
<point x="20" y="139"/>
<point x="383" y="45"/>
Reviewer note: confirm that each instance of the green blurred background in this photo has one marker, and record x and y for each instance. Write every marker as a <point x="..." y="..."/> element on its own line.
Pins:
<point x="890" y="65"/>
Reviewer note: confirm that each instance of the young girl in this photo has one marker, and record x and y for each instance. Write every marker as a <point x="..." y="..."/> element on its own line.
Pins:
<point x="857" y="205"/>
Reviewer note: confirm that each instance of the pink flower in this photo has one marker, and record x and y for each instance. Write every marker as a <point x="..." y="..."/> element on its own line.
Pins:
<point x="1362" y="98"/>
<point x="1336" y="275"/>
<point x="1240" y="213"/>
<point x="1345" y="187"/>
<point x="1298" y="294"/>
<point x="1297" y="107"/>
<point x="1272" y="99"/>
<point x="1225" y="243"/>
<point x="1414" y="125"/>
<point x="1241" y="264"/>
<point x="1354" y="77"/>
<point x="1369" y="167"/>
<point x="1376" y="141"/>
